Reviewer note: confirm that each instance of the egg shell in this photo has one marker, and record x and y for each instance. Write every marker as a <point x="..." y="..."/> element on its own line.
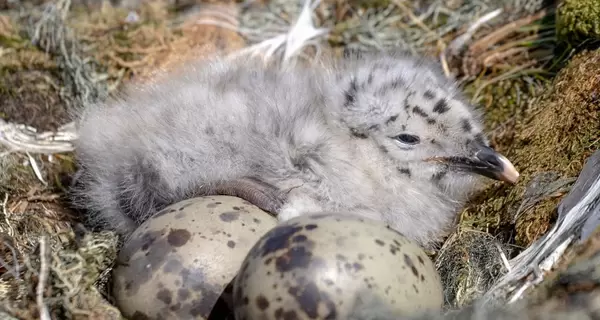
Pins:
<point x="334" y="266"/>
<point x="177" y="263"/>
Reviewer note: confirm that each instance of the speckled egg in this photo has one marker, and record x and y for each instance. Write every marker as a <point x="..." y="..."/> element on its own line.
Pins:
<point x="333" y="266"/>
<point x="178" y="263"/>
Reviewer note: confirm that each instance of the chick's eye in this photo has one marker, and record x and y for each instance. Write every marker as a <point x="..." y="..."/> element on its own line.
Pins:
<point x="408" y="139"/>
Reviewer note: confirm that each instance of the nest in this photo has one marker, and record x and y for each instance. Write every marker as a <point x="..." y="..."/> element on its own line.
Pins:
<point x="508" y="55"/>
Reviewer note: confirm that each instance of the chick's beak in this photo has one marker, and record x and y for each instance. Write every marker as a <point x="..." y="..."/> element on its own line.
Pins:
<point x="489" y="163"/>
<point x="484" y="161"/>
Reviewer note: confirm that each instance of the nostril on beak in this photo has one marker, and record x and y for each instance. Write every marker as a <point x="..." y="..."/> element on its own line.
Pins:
<point x="489" y="157"/>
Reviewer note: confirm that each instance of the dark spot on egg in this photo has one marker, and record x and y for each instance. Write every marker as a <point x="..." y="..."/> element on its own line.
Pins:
<point x="348" y="266"/>
<point x="186" y="204"/>
<point x="212" y="205"/>
<point x="300" y="238"/>
<point x="164" y="295"/>
<point x="183" y="294"/>
<point x="420" y="260"/>
<point x="310" y="227"/>
<point x="172" y="266"/>
<point x="148" y="240"/>
<point x="231" y="244"/>
<point x="411" y="265"/>
<point x="379" y="242"/>
<point x="285" y="315"/>
<point x="257" y="221"/>
<point x="276" y="239"/>
<point x="229" y="216"/>
<point x="178" y="237"/>
<point x="262" y="303"/>
<point x="297" y="257"/>
<point x="313" y="302"/>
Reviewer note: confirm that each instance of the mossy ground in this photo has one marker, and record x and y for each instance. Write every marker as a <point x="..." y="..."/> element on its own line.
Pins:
<point x="578" y="21"/>
<point x="546" y="125"/>
<point x="29" y="86"/>
<point x="556" y="134"/>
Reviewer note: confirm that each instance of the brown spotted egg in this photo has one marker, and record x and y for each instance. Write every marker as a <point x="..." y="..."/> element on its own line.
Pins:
<point x="178" y="263"/>
<point x="333" y="266"/>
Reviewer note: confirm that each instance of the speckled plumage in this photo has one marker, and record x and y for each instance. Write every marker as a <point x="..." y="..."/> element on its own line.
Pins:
<point x="321" y="138"/>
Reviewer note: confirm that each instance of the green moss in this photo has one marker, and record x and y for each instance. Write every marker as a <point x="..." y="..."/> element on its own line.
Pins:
<point x="504" y="102"/>
<point x="11" y="41"/>
<point x="578" y="20"/>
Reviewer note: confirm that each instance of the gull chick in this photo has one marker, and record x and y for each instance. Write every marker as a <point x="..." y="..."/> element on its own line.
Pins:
<point x="382" y="135"/>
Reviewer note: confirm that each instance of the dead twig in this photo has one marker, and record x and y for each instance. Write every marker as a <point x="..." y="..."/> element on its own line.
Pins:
<point x="484" y="43"/>
<point x="43" y="277"/>
<point x="44" y="197"/>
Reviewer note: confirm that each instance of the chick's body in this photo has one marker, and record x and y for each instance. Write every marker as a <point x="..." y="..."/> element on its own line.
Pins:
<point x="316" y="138"/>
